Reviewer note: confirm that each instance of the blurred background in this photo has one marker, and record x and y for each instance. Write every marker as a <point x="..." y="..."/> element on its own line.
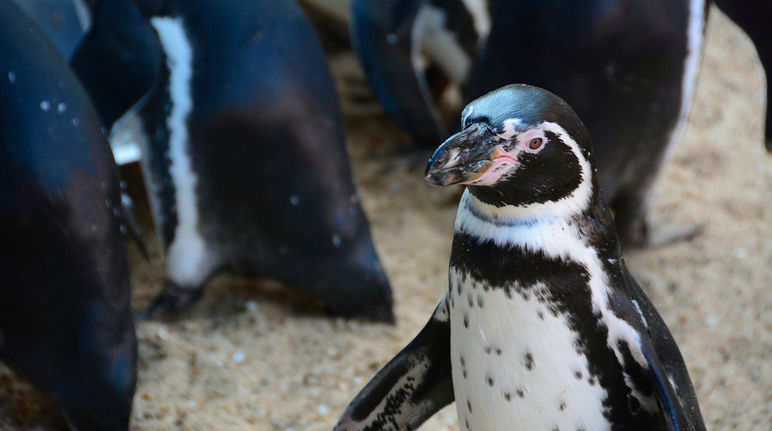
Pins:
<point x="253" y="354"/>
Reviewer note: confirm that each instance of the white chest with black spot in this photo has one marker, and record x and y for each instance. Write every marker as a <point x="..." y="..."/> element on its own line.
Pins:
<point x="511" y="356"/>
<point x="515" y="364"/>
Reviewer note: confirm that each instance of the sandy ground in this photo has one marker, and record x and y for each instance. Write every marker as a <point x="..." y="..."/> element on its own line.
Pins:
<point x="256" y="356"/>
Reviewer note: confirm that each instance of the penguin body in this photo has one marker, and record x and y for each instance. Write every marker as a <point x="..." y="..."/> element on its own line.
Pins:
<point x="65" y="317"/>
<point x="245" y="160"/>
<point x="542" y="326"/>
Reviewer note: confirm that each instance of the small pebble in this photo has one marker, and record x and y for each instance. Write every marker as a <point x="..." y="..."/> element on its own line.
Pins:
<point x="323" y="410"/>
<point x="238" y="357"/>
<point x="755" y="374"/>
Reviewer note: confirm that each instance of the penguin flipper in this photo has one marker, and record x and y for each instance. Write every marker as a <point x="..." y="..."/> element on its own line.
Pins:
<point x="411" y="387"/>
<point x="666" y="371"/>
<point x="672" y="409"/>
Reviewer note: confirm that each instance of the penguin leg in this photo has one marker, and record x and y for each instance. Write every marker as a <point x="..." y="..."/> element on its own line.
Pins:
<point x="411" y="387"/>
<point x="753" y="17"/>
<point x="171" y="301"/>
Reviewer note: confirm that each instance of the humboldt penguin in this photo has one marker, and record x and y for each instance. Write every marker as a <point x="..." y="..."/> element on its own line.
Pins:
<point x="542" y="326"/>
<point x="243" y="147"/>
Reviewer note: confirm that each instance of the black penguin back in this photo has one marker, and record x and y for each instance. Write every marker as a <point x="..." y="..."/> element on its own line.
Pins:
<point x="65" y="316"/>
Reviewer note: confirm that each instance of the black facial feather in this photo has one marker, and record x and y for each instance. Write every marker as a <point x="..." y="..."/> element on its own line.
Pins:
<point x="550" y="175"/>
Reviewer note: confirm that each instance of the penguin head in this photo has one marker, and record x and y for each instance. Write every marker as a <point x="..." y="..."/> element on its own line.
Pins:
<point x="521" y="146"/>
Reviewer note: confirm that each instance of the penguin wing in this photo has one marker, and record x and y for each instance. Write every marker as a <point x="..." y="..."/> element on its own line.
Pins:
<point x="667" y="371"/>
<point x="411" y="387"/>
<point x="671" y="407"/>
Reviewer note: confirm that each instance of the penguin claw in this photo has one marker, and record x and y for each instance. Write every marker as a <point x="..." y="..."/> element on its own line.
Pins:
<point x="171" y="302"/>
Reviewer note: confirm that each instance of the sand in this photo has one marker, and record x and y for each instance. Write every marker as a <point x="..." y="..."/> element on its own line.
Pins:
<point x="254" y="355"/>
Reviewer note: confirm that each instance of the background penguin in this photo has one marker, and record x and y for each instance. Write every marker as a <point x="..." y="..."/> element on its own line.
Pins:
<point x="408" y="48"/>
<point x="627" y="66"/>
<point x="542" y="325"/>
<point x="65" y="318"/>
<point x="244" y="151"/>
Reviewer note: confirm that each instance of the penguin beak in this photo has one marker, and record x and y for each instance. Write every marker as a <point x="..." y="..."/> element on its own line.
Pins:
<point x="463" y="157"/>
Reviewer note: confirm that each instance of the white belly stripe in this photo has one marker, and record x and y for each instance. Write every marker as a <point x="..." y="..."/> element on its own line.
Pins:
<point x="187" y="261"/>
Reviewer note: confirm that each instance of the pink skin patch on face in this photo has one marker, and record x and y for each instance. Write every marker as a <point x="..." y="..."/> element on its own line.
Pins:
<point x="503" y="162"/>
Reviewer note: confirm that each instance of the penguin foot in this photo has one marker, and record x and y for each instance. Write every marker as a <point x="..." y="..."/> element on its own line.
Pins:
<point x="170" y="303"/>
<point x="677" y="234"/>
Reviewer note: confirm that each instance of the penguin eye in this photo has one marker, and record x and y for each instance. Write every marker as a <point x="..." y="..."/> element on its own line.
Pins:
<point x="535" y="143"/>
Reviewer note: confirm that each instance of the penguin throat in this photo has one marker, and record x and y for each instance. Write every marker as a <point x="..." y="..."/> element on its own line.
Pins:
<point x="472" y="208"/>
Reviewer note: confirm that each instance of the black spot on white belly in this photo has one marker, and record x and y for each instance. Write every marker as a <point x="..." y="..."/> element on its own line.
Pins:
<point x="528" y="361"/>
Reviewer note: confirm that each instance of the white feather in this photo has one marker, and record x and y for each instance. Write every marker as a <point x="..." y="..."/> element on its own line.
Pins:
<point x="187" y="262"/>
<point x="507" y="330"/>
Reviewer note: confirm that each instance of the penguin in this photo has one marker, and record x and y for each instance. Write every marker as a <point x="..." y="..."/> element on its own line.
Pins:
<point x="412" y="51"/>
<point x="243" y="148"/>
<point x="65" y="320"/>
<point x="542" y="326"/>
